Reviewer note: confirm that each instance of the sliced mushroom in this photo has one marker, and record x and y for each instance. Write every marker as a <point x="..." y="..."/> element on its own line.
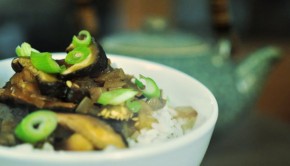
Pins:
<point x="96" y="131"/>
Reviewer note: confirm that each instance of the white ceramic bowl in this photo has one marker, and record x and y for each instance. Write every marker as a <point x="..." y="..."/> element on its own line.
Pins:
<point x="187" y="150"/>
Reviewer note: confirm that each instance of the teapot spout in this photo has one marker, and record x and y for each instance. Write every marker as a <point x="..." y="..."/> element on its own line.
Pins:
<point x="252" y="71"/>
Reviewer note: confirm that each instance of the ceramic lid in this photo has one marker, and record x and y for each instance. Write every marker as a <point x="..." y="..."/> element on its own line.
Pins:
<point x="154" y="39"/>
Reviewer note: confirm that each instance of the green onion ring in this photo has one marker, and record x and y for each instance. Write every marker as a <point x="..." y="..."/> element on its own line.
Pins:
<point x="77" y="55"/>
<point x="85" y="40"/>
<point x="150" y="89"/>
<point x="36" y="126"/>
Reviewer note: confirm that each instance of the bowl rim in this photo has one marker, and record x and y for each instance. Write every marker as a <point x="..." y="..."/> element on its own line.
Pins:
<point x="123" y="154"/>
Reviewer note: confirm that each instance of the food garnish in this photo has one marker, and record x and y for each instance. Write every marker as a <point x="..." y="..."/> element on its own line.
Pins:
<point x="149" y="88"/>
<point x="84" y="38"/>
<point x="116" y="96"/>
<point x="77" y="55"/>
<point x="36" y="126"/>
<point x="24" y="50"/>
<point x="44" y="62"/>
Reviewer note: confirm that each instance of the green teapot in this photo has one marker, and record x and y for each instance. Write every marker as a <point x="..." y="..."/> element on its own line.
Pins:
<point x="236" y="85"/>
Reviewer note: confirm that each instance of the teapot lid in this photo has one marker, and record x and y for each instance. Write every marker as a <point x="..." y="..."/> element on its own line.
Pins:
<point x="155" y="39"/>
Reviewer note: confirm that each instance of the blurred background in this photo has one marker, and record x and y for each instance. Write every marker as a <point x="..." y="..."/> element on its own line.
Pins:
<point x="233" y="29"/>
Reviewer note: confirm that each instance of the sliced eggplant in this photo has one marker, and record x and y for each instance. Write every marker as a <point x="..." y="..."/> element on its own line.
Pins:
<point x="48" y="84"/>
<point x="96" y="131"/>
<point x="76" y="142"/>
<point x="23" y="89"/>
<point x="94" y="64"/>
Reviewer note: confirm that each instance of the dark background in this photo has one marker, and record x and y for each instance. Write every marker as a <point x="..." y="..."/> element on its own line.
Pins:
<point x="49" y="25"/>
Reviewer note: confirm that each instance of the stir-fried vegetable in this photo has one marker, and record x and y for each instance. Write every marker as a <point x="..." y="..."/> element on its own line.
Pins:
<point x="44" y="62"/>
<point x="94" y="130"/>
<point x="36" y="126"/>
<point x="24" y="50"/>
<point x="93" y="105"/>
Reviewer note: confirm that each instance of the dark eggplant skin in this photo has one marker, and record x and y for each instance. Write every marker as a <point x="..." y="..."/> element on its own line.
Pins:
<point x="16" y="65"/>
<point x="102" y="62"/>
<point x="56" y="89"/>
<point x="76" y="95"/>
<point x="97" y="64"/>
<point x="118" y="128"/>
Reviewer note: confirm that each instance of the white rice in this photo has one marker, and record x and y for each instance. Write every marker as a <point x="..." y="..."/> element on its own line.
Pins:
<point x="26" y="147"/>
<point x="166" y="128"/>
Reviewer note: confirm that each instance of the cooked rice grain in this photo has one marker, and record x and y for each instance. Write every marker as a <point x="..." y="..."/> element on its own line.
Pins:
<point x="166" y="128"/>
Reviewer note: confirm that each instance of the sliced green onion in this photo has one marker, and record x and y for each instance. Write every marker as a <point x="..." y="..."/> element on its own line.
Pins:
<point x="134" y="106"/>
<point x="139" y="84"/>
<point x="77" y="55"/>
<point x="24" y="50"/>
<point x="116" y="97"/>
<point x="44" y="62"/>
<point x="149" y="88"/>
<point x="84" y="39"/>
<point x="36" y="126"/>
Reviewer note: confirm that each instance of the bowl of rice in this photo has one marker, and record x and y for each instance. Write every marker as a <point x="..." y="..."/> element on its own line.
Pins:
<point x="165" y="143"/>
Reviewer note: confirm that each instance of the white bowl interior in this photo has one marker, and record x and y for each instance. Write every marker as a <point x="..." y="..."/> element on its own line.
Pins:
<point x="181" y="90"/>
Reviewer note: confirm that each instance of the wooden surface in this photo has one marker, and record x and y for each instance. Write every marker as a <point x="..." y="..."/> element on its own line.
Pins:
<point x="275" y="97"/>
